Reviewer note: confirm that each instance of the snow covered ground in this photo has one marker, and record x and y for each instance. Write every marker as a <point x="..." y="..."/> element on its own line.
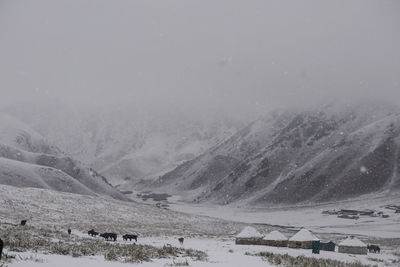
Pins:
<point x="221" y="252"/>
<point x="159" y="227"/>
<point x="43" y="207"/>
<point x="311" y="216"/>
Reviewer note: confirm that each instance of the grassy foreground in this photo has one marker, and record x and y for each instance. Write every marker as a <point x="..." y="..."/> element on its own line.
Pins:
<point x="42" y="240"/>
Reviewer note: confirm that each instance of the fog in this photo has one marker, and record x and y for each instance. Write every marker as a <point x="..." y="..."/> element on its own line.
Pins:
<point x="240" y="57"/>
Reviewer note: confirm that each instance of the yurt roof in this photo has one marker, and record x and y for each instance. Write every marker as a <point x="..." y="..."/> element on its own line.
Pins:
<point x="352" y="242"/>
<point x="303" y="235"/>
<point x="249" y="232"/>
<point x="276" y="236"/>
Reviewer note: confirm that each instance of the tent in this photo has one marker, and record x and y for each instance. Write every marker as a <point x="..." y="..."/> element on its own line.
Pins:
<point x="302" y="239"/>
<point x="275" y="239"/>
<point x="248" y="236"/>
<point x="353" y="245"/>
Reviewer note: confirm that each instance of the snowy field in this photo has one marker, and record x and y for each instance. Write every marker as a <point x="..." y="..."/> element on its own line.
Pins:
<point x="311" y="216"/>
<point x="221" y="252"/>
<point x="50" y="213"/>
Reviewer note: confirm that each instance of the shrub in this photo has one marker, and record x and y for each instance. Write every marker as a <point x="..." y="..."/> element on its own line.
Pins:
<point x="178" y="263"/>
<point x="43" y="240"/>
<point x="287" y="260"/>
<point x="111" y="256"/>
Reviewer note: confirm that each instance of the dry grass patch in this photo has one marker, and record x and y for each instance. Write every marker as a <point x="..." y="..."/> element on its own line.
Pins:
<point x="287" y="260"/>
<point x="21" y="239"/>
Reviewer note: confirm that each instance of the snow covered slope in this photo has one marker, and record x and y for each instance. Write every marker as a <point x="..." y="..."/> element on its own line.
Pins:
<point x="19" y="135"/>
<point x="27" y="160"/>
<point x="82" y="212"/>
<point x="320" y="154"/>
<point x="126" y="142"/>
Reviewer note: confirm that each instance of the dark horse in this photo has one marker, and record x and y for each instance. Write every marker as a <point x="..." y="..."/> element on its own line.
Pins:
<point x="23" y="222"/>
<point x="1" y="248"/>
<point x="109" y="236"/>
<point x="92" y="233"/>
<point x="374" y="248"/>
<point x="69" y="231"/>
<point x="130" y="237"/>
<point x="180" y="239"/>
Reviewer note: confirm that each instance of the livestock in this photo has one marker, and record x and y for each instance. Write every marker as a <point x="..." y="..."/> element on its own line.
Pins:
<point x="69" y="231"/>
<point x="92" y="233"/>
<point x="109" y="236"/>
<point x="374" y="248"/>
<point x="130" y="237"/>
<point x="181" y="240"/>
<point x="1" y="248"/>
<point x="23" y="222"/>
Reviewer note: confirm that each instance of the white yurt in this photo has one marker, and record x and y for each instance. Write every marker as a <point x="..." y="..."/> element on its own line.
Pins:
<point x="248" y="236"/>
<point x="302" y="239"/>
<point x="275" y="239"/>
<point x="353" y="245"/>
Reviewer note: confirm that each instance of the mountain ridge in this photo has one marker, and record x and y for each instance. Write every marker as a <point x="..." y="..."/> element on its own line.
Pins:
<point x="27" y="160"/>
<point x="126" y="142"/>
<point x="317" y="154"/>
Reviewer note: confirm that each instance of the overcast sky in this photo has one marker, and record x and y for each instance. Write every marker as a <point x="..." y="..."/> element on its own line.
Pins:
<point x="242" y="56"/>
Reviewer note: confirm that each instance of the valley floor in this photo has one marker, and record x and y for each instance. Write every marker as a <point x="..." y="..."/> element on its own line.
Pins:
<point x="50" y="213"/>
<point x="221" y="252"/>
<point x="311" y="216"/>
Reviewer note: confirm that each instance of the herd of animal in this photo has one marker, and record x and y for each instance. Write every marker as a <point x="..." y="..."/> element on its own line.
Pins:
<point x="111" y="236"/>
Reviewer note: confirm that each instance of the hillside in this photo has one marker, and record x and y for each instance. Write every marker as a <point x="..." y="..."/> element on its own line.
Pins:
<point x="27" y="160"/>
<point x="320" y="154"/>
<point x="126" y="143"/>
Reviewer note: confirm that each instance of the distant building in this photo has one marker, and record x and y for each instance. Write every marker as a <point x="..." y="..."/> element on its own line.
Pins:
<point x="303" y="239"/>
<point x="275" y="239"/>
<point x="327" y="246"/>
<point x="248" y="236"/>
<point x="352" y="245"/>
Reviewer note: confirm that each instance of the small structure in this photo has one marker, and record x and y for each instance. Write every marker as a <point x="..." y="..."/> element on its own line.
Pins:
<point x="315" y="246"/>
<point x="348" y="216"/>
<point x="327" y="246"/>
<point x="352" y="245"/>
<point x="248" y="236"/>
<point x="303" y="239"/>
<point x="275" y="239"/>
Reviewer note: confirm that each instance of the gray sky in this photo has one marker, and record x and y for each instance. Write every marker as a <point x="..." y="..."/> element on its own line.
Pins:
<point x="241" y="56"/>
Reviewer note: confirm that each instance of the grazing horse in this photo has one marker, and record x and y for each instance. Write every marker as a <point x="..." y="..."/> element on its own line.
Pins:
<point x="92" y="233"/>
<point x="109" y="236"/>
<point x="180" y="239"/>
<point x="69" y="231"/>
<point x="374" y="248"/>
<point x="1" y="248"/>
<point x="130" y="237"/>
<point x="23" y="222"/>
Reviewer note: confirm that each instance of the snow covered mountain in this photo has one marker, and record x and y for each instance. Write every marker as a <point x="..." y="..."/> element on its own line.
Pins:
<point x="126" y="143"/>
<point x="27" y="160"/>
<point x="329" y="153"/>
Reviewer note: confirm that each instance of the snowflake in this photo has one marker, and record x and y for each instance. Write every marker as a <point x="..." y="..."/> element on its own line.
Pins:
<point x="363" y="169"/>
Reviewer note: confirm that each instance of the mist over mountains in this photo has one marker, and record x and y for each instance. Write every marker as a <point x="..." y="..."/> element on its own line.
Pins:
<point x="27" y="159"/>
<point x="291" y="155"/>
<point x="217" y="101"/>
<point x="125" y="142"/>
